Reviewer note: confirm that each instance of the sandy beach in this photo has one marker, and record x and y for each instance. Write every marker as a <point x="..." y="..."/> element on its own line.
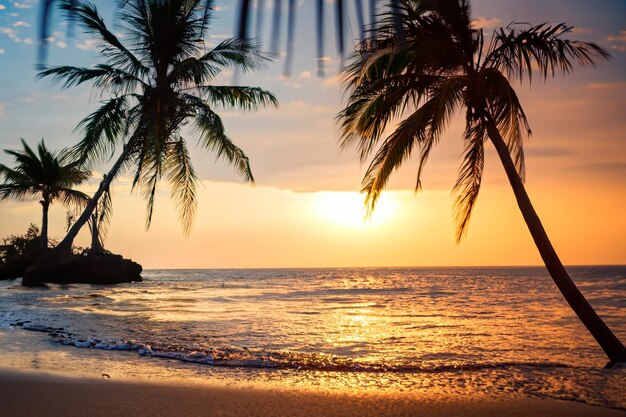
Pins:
<point x="34" y="394"/>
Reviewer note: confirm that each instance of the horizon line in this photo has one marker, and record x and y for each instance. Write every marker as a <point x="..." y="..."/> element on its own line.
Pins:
<point x="388" y="267"/>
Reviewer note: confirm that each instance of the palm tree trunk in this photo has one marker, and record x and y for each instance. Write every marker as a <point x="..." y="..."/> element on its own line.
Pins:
<point x="43" y="243"/>
<point x="611" y="345"/>
<point x="96" y="245"/>
<point x="68" y="240"/>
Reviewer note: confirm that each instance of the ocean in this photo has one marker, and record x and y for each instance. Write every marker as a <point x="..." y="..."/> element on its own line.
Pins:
<point x="443" y="330"/>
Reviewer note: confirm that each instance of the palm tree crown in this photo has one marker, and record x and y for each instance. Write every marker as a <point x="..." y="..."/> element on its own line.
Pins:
<point x="43" y="174"/>
<point x="160" y="80"/>
<point x="441" y="65"/>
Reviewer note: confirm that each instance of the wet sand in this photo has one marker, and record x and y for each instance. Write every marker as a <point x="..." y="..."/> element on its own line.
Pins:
<point x="33" y="394"/>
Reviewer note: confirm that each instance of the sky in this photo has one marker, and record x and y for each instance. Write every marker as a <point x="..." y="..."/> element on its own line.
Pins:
<point x="305" y="209"/>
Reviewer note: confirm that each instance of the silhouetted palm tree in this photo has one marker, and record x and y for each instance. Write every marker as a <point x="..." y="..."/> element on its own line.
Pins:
<point x="443" y="65"/>
<point x="46" y="175"/>
<point x="160" y="79"/>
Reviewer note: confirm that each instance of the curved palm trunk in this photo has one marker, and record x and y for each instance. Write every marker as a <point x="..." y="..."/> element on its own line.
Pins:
<point x="611" y="345"/>
<point x="43" y="243"/>
<point x="68" y="240"/>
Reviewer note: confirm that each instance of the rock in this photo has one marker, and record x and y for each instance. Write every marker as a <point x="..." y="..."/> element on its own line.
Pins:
<point x="102" y="268"/>
<point x="15" y="268"/>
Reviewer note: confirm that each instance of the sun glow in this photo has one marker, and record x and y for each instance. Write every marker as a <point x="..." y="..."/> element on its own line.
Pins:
<point x="346" y="209"/>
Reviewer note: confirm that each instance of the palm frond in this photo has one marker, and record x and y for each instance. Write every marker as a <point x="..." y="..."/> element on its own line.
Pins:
<point x="423" y="128"/>
<point x="507" y="113"/>
<point x="72" y="198"/>
<point x="118" y="55"/>
<point x="182" y="179"/>
<point x="518" y="52"/>
<point x="235" y="97"/>
<point x="18" y="192"/>
<point x="104" y="77"/>
<point x="469" y="180"/>
<point x="236" y="53"/>
<point x="210" y="128"/>
<point x="102" y="130"/>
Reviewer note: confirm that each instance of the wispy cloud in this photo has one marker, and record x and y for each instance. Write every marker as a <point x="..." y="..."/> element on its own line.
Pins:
<point x="11" y="33"/>
<point x="87" y="44"/>
<point x="485" y="23"/>
<point x="610" y="86"/>
<point x="2" y="7"/>
<point x="22" y="5"/>
<point x="581" y="31"/>
<point x="21" y="23"/>
<point x="1" y="51"/>
<point x="619" y="41"/>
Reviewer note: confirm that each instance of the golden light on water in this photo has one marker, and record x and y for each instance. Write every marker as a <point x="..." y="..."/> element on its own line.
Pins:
<point x="346" y="209"/>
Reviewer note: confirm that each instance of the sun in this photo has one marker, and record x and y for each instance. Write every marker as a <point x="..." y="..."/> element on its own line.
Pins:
<point x="346" y="209"/>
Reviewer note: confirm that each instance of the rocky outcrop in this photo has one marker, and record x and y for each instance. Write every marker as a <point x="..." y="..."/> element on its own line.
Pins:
<point x="101" y="268"/>
<point x="15" y="268"/>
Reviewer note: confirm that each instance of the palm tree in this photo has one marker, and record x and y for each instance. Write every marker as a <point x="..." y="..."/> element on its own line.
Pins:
<point x="46" y="175"/>
<point x="443" y="65"/>
<point x="159" y="80"/>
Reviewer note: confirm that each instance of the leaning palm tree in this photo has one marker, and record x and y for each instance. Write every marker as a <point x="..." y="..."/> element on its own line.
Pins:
<point x="160" y="79"/>
<point x="441" y="66"/>
<point x="46" y="175"/>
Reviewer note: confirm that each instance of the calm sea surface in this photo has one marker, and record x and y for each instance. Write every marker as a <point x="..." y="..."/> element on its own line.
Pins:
<point x="448" y="330"/>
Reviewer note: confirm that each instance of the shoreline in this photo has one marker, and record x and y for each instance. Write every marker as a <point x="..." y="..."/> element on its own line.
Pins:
<point x="37" y="394"/>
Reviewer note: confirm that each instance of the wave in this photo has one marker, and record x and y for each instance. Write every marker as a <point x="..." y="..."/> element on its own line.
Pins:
<point x="253" y="358"/>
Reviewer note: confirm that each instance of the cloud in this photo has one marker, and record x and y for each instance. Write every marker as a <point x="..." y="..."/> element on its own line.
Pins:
<point x="2" y="7"/>
<point x="580" y="31"/>
<point x="21" y="23"/>
<point x="221" y="36"/>
<point x="620" y="38"/>
<point x="610" y="86"/>
<point x="61" y="44"/>
<point x="484" y="23"/>
<point x="22" y="5"/>
<point x="11" y="33"/>
<point x="333" y="81"/>
<point x="548" y="152"/>
<point x="619" y="41"/>
<point x="87" y="44"/>
<point x="305" y="74"/>
<point x="303" y="106"/>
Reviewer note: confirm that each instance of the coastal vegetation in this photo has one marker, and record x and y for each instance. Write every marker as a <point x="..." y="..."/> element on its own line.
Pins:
<point x="442" y="65"/>
<point x="18" y="252"/>
<point x="45" y="175"/>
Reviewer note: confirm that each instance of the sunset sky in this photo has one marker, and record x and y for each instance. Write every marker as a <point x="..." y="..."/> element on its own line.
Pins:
<point x="305" y="210"/>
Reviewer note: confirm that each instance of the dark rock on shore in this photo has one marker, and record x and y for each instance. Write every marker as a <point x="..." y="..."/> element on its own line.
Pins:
<point x="101" y="268"/>
<point x="14" y="269"/>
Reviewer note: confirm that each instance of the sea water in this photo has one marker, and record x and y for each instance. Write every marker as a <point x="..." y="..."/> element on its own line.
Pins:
<point x="443" y="330"/>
